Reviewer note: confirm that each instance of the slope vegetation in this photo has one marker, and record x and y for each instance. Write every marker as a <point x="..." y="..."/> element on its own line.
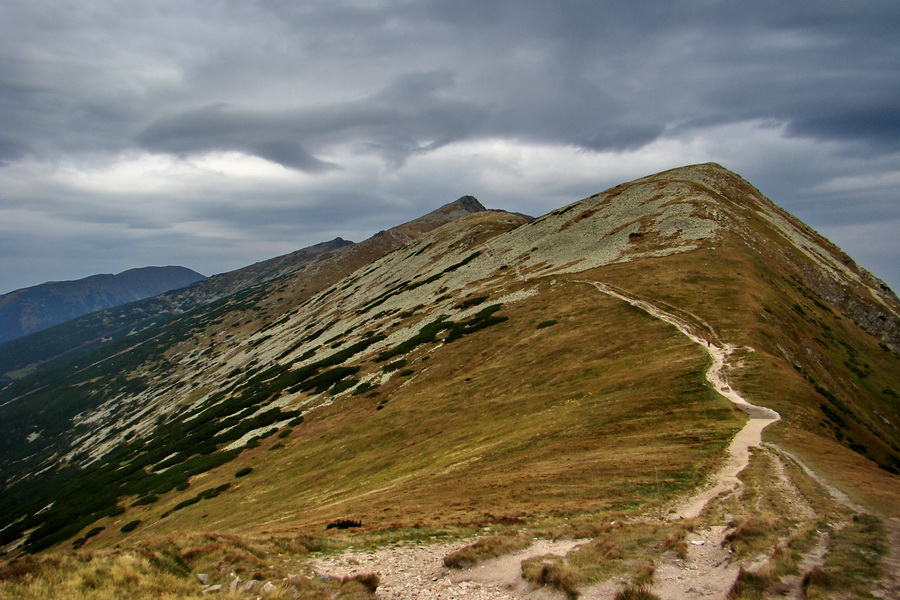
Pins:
<point x="466" y="373"/>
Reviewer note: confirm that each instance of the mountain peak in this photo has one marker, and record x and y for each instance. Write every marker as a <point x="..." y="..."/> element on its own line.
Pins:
<point x="460" y="207"/>
<point x="470" y="203"/>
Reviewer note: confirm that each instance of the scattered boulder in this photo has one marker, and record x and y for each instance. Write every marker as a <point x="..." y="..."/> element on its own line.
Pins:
<point x="268" y="588"/>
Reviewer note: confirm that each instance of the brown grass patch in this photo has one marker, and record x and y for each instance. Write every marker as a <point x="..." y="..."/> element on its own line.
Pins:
<point x="551" y="571"/>
<point x="750" y="585"/>
<point x="635" y="592"/>
<point x="485" y="549"/>
<point x="748" y="531"/>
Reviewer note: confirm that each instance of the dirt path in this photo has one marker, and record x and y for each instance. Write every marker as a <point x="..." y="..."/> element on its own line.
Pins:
<point x="416" y="571"/>
<point x="890" y="587"/>
<point x="749" y="437"/>
<point x="706" y="571"/>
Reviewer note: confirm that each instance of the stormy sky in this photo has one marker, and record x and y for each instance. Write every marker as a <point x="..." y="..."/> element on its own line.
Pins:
<point x="216" y="133"/>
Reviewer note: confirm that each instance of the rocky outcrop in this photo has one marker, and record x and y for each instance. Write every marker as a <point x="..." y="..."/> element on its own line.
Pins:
<point x="873" y="315"/>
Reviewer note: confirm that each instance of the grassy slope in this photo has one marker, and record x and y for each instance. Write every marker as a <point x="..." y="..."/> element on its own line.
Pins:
<point x="573" y="420"/>
<point x="518" y="422"/>
<point x="787" y="324"/>
<point x="532" y="422"/>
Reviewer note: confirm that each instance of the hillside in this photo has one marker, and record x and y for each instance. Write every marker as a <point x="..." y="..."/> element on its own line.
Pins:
<point x="580" y="375"/>
<point x="80" y="336"/>
<point x="39" y="307"/>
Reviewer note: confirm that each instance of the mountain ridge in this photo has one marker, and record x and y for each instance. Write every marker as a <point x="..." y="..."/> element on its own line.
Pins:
<point x="52" y="346"/>
<point x="472" y="374"/>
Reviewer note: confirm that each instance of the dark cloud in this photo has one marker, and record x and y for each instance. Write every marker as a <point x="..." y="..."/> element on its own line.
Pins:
<point x="363" y="99"/>
<point x="878" y="126"/>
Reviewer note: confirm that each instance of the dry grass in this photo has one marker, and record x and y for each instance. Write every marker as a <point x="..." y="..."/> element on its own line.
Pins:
<point x="514" y="421"/>
<point x="167" y="570"/>
<point x="123" y="576"/>
<point x="635" y="592"/>
<point x="853" y="563"/>
<point x="560" y="428"/>
<point x="485" y="549"/>
<point x="751" y="534"/>
<point x="676" y="543"/>
<point x="551" y="571"/>
<point x="750" y="585"/>
<point x="817" y="581"/>
<point x="628" y="549"/>
<point x="757" y="309"/>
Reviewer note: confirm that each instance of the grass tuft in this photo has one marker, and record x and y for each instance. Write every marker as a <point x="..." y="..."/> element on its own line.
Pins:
<point x="635" y="592"/>
<point x="551" y="571"/>
<point x="816" y="581"/>
<point x="368" y="581"/>
<point x="750" y="585"/>
<point x="485" y="549"/>
<point x="748" y="531"/>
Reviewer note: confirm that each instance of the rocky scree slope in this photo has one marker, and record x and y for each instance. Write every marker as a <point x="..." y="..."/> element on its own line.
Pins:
<point x="352" y="370"/>
<point x="68" y="340"/>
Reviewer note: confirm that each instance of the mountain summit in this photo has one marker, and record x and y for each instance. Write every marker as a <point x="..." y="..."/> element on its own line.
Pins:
<point x="580" y="375"/>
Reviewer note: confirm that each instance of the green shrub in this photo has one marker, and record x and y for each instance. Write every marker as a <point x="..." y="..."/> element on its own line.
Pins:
<point x="204" y="495"/>
<point x="343" y="385"/>
<point x="547" y="323"/>
<point x="130" y="526"/>
<point x="343" y="524"/>
<point x="484" y="318"/>
<point x="243" y="472"/>
<point x="469" y="302"/>
<point x="83" y="539"/>
<point x="427" y="334"/>
<point x="362" y="388"/>
<point x="397" y="364"/>
<point x="145" y="500"/>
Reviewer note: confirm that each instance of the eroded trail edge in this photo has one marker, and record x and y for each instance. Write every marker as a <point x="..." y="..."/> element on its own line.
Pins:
<point x="749" y="436"/>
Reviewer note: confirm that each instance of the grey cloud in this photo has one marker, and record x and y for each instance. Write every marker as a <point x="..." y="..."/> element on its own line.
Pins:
<point x="307" y="84"/>
<point x="606" y="76"/>
<point x="618" y="136"/>
<point x="291" y="154"/>
<point x="404" y="118"/>
<point x="879" y="126"/>
<point x="10" y="150"/>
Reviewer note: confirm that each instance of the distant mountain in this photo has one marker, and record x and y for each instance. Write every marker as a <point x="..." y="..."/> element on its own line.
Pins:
<point x="36" y="308"/>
